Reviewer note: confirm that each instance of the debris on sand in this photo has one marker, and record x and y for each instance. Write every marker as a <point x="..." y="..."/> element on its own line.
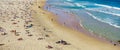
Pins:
<point x="40" y="38"/>
<point x="27" y="21"/>
<point x="64" y="23"/>
<point x="47" y="36"/>
<point x="58" y="42"/>
<point x="14" y="23"/>
<point x="20" y="38"/>
<point x="39" y="7"/>
<point x="12" y="20"/>
<point x="27" y="31"/>
<point x="30" y="35"/>
<point x="29" y="26"/>
<point x="2" y="44"/>
<point x="15" y="32"/>
<point x="3" y="21"/>
<point x="51" y="19"/>
<point x="62" y="42"/>
<point x="44" y="29"/>
<point x="119" y="41"/>
<point x="49" y="47"/>
<point x="115" y="44"/>
<point x="2" y="29"/>
<point x="18" y="21"/>
<point x="4" y="33"/>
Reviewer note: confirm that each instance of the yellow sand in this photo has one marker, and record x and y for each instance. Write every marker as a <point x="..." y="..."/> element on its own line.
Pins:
<point x="44" y="23"/>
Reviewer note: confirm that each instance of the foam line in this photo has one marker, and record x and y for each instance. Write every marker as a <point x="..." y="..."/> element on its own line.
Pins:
<point x="105" y="12"/>
<point x="110" y="23"/>
<point x="107" y="6"/>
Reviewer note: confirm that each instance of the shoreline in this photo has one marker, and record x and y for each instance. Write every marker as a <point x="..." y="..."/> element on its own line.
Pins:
<point x="78" y="35"/>
<point x="70" y="20"/>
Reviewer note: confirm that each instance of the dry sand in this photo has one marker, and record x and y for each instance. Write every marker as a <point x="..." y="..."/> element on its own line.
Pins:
<point x="24" y="25"/>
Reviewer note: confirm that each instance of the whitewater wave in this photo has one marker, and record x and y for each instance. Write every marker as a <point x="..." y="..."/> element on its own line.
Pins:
<point x="110" y="22"/>
<point x="79" y="5"/>
<point x="107" y="6"/>
<point x="109" y="9"/>
<point x="97" y="9"/>
<point x="112" y="13"/>
<point x="68" y="3"/>
<point x="69" y="0"/>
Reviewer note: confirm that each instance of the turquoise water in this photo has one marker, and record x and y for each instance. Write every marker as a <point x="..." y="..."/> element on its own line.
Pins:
<point x="101" y="17"/>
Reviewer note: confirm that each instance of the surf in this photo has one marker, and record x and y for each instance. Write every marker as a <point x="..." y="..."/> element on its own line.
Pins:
<point x="100" y="19"/>
<point x="107" y="21"/>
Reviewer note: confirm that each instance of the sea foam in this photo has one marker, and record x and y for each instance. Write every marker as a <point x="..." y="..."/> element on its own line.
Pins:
<point x="107" y="12"/>
<point x="107" y="6"/>
<point x="110" y="22"/>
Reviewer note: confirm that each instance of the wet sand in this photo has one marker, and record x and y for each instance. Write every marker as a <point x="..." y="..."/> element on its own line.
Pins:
<point x="25" y="25"/>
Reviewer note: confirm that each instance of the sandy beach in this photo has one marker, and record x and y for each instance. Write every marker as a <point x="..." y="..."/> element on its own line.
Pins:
<point x="25" y="25"/>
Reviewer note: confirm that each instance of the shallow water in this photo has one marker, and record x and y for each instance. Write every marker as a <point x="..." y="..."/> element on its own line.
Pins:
<point x="101" y="18"/>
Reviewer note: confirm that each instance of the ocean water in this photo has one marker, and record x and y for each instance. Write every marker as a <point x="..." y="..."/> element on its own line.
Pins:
<point x="101" y="17"/>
